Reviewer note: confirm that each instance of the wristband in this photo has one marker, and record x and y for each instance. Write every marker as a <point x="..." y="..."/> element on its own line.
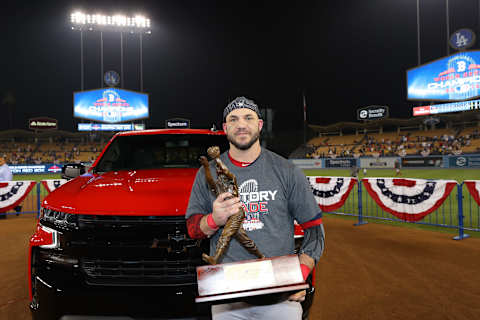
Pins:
<point x="305" y="271"/>
<point x="211" y="223"/>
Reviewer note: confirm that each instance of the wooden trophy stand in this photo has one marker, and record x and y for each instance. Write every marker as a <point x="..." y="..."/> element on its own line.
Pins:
<point x="249" y="278"/>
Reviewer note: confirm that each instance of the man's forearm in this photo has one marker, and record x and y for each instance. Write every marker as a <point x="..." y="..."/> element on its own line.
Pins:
<point x="307" y="260"/>
<point x="198" y="227"/>
<point x="206" y="229"/>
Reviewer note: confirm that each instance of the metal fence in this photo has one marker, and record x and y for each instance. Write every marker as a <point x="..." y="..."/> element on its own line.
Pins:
<point x="459" y="211"/>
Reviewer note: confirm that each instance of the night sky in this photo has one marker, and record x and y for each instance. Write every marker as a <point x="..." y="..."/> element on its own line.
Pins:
<point x="202" y="54"/>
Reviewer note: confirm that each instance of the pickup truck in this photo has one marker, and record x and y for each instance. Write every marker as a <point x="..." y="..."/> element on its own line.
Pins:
<point x="112" y="241"/>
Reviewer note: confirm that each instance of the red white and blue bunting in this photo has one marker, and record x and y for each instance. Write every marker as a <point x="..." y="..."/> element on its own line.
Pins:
<point x="53" y="184"/>
<point x="12" y="193"/>
<point x="331" y="192"/>
<point x="474" y="189"/>
<point x="408" y="199"/>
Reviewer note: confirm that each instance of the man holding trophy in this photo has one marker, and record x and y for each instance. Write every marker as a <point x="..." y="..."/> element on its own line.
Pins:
<point x="273" y="193"/>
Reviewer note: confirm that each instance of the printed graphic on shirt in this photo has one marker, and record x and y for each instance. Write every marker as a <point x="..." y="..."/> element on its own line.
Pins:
<point x="255" y="203"/>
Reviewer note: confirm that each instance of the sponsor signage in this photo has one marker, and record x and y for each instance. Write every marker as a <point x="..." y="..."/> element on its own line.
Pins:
<point x="377" y="162"/>
<point x="105" y="127"/>
<point x="447" y="107"/>
<point x="177" y="123"/>
<point x="138" y="126"/>
<point x="42" y="123"/>
<point x="372" y="113"/>
<point x="308" y="163"/>
<point x="340" y="163"/>
<point x="455" y="77"/>
<point x="110" y="105"/>
<point x="422" y="161"/>
<point x="462" y="39"/>
<point x="464" y="161"/>
<point x="35" y="168"/>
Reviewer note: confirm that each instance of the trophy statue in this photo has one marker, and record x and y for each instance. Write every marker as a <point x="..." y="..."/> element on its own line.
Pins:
<point x="264" y="276"/>
<point x="226" y="182"/>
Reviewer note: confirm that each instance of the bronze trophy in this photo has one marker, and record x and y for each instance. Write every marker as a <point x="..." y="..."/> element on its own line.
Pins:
<point x="263" y="276"/>
<point x="226" y="182"/>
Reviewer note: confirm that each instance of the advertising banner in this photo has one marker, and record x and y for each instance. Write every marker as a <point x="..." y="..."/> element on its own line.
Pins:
<point x="340" y="163"/>
<point x="446" y="107"/>
<point x="177" y="123"/>
<point x="110" y="105"/>
<point x="372" y="113"/>
<point x="455" y="77"/>
<point x="42" y="123"/>
<point x="105" y="127"/>
<point x="464" y="161"/>
<point x="432" y="161"/>
<point x="308" y="163"/>
<point x="377" y="162"/>
<point x="35" y="168"/>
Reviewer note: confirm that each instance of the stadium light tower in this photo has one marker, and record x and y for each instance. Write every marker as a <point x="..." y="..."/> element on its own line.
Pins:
<point x="137" y="24"/>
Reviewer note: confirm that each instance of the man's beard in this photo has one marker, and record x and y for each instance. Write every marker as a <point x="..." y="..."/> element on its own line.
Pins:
<point x="246" y="145"/>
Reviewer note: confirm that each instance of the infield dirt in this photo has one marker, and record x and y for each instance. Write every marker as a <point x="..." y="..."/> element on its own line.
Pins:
<point x="373" y="271"/>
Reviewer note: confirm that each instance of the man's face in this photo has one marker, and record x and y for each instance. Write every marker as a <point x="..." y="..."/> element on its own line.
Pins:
<point x="242" y="127"/>
<point x="2" y="161"/>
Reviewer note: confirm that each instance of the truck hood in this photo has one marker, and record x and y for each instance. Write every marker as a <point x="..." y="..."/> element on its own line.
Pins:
<point x="137" y="192"/>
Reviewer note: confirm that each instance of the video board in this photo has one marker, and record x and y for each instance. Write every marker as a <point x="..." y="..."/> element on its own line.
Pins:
<point x="452" y="78"/>
<point x="110" y="105"/>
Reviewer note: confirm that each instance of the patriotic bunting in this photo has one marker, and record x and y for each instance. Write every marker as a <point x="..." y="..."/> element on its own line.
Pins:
<point x="331" y="192"/>
<point x="12" y="193"/>
<point x="474" y="189"/>
<point x="408" y="199"/>
<point x="53" y="184"/>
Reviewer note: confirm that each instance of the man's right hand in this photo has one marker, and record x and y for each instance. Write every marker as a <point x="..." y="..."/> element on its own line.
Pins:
<point x="224" y="206"/>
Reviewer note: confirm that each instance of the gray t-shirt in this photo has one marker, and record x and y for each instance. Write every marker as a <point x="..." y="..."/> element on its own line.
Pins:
<point x="274" y="193"/>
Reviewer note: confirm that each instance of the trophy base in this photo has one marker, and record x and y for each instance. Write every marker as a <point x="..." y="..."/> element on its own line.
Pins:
<point x="249" y="278"/>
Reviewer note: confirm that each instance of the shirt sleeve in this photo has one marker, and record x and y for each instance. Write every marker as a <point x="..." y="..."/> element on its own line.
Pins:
<point x="200" y="201"/>
<point x="302" y="203"/>
<point x="308" y="214"/>
<point x="313" y="242"/>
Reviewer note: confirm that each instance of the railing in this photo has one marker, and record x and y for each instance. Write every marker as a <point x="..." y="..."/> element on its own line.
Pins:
<point x="459" y="210"/>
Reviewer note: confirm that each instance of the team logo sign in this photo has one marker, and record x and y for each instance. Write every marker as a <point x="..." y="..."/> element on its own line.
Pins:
<point x="408" y="199"/>
<point x="53" y="184"/>
<point x="474" y="189"/>
<point x="331" y="192"/>
<point x="12" y="193"/>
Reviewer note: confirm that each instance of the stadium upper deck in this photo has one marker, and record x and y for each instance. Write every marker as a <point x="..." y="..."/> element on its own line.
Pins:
<point x="455" y="134"/>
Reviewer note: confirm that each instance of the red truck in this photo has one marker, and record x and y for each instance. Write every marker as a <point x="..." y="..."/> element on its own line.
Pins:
<point x="113" y="241"/>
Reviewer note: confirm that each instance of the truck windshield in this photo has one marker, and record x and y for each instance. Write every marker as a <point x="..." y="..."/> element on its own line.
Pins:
<point x="158" y="151"/>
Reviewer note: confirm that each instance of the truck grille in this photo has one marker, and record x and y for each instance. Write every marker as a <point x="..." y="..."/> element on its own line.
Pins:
<point x="139" y="272"/>
<point x="135" y="251"/>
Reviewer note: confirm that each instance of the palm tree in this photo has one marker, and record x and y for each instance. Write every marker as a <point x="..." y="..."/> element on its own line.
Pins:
<point x="9" y="101"/>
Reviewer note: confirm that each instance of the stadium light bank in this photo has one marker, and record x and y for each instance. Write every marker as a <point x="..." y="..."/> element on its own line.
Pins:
<point x="137" y="24"/>
<point x="120" y="23"/>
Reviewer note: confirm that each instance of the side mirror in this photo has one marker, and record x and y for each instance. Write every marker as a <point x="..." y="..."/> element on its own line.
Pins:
<point x="72" y="170"/>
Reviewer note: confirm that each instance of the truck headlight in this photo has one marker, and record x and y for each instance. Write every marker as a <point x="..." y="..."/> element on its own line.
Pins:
<point x="57" y="219"/>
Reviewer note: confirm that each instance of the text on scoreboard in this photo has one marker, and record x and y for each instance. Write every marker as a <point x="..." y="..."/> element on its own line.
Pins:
<point x="110" y="105"/>
<point x="455" y="77"/>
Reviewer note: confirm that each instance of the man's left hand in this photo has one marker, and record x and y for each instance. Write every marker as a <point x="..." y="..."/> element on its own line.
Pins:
<point x="298" y="296"/>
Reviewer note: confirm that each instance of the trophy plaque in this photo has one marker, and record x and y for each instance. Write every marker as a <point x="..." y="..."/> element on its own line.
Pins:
<point x="249" y="278"/>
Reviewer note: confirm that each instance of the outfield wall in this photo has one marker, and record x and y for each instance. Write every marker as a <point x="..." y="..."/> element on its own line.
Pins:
<point x="429" y="162"/>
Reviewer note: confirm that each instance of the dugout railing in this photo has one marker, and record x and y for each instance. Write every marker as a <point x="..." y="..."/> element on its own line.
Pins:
<point x="458" y="211"/>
